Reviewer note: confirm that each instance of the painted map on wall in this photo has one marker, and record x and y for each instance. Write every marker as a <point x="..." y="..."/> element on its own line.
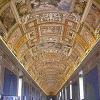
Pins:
<point x="91" y="85"/>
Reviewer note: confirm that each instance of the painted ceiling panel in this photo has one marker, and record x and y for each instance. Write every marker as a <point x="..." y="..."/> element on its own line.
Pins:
<point x="50" y="37"/>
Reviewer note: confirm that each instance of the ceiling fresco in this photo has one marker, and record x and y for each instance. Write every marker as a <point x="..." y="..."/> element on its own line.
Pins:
<point x="50" y="38"/>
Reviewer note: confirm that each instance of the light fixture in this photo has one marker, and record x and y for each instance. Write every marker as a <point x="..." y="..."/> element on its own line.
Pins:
<point x="65" y="93"/>
<point x="20" y="87"/>
<point x="50" y="98"/>
<point x="70" y="89"/>
<point x="60" y="94"/>
<point x="81" y="85"/>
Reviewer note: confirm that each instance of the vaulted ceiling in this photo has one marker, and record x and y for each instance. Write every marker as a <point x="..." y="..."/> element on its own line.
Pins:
<point x="50" y="38"/>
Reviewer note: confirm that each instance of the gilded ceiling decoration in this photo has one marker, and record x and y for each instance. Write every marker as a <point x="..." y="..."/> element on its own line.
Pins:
<point x="50" y="38"/>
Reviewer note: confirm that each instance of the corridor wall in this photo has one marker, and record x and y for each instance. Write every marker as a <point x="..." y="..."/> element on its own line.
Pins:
<point x="51" y="98"/>
<point x="68" y="92"/>
<point x="10" y="72"/>
<point x="33" y="93"/>
<point x="26" y="91"/>
<point x="86" y="79"/>
<point x="92" y="85"/>
<point x="75" y="90"/>
<point x="10" y="83"/>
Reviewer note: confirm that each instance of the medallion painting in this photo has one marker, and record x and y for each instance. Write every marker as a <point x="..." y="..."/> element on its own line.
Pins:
<point x="22" y="50"/>
<point x="98" y="1"/>
<point x="3" y="2"/>
<point x="14" y="37"/>
<point x="79" y="6"/>
<point x="22" y="7"/>
<point x="87" y="35"/>
<point x="2" y="30"/>
<point x="7" y="17"/>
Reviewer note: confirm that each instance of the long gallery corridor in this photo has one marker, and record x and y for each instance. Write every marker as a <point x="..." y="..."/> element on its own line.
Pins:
<point x="49" y="49"/>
